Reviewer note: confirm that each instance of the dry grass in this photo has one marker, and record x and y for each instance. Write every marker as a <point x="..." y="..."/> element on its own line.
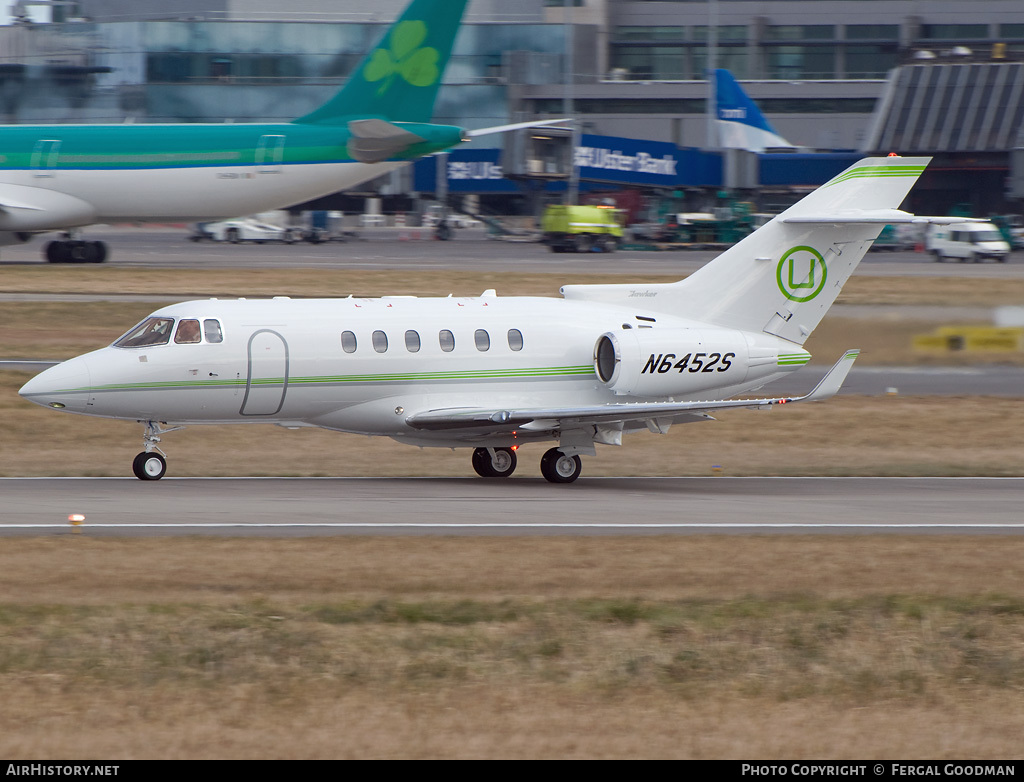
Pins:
<point x="292" y="281"/>
<point x="298" y="281"/>
<point x="702" y="647"/>
<point x="889" y="341"/>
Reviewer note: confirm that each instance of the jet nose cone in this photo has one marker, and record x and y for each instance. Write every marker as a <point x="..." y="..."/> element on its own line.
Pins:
<point x="66" y="386"/>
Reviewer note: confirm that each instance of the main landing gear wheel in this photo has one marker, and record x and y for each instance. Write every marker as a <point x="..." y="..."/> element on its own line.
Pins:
<point x="556" y="467"/>
<point x="499" y="465"/>
<point x="75" y="251"/>
<point x="149" y="466"/>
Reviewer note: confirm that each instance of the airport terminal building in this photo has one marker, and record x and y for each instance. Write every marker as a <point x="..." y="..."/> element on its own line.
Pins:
<point x="937" y="77"/>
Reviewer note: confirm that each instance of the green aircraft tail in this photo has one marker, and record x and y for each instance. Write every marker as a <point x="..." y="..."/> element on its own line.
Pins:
<point x="398" y="80"/>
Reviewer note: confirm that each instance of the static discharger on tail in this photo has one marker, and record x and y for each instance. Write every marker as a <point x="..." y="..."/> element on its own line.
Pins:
<point x="490" y="373"/>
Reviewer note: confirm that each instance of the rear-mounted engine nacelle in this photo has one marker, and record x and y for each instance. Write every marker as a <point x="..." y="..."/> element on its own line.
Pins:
<point x="669" y="362"/>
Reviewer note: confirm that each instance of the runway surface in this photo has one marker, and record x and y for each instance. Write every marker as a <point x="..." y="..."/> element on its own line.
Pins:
<point x="467" y="506"/>
<point x="378" y="249"/>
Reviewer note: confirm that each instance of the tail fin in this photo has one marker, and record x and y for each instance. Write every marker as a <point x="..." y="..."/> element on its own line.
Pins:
<point x="399" y="79"/>
<point x="741" y="125"/>
<point x="783" y="278"/>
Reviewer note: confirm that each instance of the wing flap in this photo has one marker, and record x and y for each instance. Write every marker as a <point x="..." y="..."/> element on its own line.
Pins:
<point x="560" y="417"/>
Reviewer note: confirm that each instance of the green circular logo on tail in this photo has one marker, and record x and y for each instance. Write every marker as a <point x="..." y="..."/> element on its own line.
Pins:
<point x="405" y="58"/>
<point x="801" y="273"/>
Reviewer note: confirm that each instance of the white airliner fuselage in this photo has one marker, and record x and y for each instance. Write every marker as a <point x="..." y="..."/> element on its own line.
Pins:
<point x="73" y="198"/>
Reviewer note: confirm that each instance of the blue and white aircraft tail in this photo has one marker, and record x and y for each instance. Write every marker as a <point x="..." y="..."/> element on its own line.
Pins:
<point x="740" y="124"/>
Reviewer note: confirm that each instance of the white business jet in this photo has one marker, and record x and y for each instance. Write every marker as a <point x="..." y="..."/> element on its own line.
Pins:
<point x="492" y="373"/>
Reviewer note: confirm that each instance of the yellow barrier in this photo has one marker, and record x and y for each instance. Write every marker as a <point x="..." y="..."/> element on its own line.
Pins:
<point x="980" y="339"/>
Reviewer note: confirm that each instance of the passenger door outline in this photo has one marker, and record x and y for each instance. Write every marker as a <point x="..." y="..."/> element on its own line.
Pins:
<point x="44" y="158"/>
<point x="270" y="154"/>
<point x="266" y="382"/>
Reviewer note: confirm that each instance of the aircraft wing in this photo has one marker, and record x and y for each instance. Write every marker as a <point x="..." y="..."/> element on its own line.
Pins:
<point x="669" y="412"/>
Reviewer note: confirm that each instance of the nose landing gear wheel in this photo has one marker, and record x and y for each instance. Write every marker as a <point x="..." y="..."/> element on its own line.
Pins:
<point x="556" y="467"/>
<point x="501" y="465"/>
<point x="149" y="466"/>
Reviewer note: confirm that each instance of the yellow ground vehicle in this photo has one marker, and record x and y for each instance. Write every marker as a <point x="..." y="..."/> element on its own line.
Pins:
<point x="581" y="228"/>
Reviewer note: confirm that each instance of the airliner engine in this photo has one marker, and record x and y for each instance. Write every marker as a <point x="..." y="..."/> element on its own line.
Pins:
<point x="669" y="362"/>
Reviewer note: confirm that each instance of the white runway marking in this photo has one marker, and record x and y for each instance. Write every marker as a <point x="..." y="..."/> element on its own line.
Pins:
<point x="490" y="525"/>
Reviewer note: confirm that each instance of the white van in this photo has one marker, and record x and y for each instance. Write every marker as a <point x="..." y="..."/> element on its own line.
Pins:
<point x="967" y="242"/>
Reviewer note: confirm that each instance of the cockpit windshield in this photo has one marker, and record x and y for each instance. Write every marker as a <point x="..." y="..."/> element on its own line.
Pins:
<point x="152" y="331"/>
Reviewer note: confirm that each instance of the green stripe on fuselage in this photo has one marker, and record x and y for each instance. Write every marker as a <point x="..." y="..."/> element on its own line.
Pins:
<point x="133" y="147"/>
<point x="406" y="377"/>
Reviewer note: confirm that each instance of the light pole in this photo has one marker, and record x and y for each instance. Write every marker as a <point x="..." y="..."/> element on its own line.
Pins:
<point x="572" y="190"/>
<point x="712" y="64"/>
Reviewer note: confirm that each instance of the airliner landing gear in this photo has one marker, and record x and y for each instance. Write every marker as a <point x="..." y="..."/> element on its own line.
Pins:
<point x="556" y="467"/>
<point x="75" y="251"/>
<point x="151" y="464"/>
<point x="494" y="462"/>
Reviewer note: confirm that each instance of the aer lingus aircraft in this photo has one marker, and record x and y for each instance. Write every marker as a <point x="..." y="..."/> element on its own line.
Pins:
<point x="491" y="373"/>
<point x="64" y="177"/>
<point x="739" y="121"/>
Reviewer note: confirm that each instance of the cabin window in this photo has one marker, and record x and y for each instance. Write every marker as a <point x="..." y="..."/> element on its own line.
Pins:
<point x="152" y="331"/>
<point x="447" y="340"/>
<point x="482" y="340"/>
<point x="187" y="332"/>
<point x="412" y="341"/>
<point x="515" y="339"/>
<point x="213" y="332"/>
<point x="380" y="341"/>
<point x="348" y="341"/>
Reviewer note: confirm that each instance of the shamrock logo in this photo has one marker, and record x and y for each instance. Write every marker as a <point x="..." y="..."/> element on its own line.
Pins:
<point x="417" y="66"/>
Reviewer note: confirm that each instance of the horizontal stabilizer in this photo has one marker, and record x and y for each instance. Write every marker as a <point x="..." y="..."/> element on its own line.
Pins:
<point x="877" y="217"/>
<point x="374" y="140"/>
<point x="468" y="134"/>
<point x="560" y="417"/>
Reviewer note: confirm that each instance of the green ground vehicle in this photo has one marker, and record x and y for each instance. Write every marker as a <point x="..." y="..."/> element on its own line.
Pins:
<point x="581" y="229"/>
